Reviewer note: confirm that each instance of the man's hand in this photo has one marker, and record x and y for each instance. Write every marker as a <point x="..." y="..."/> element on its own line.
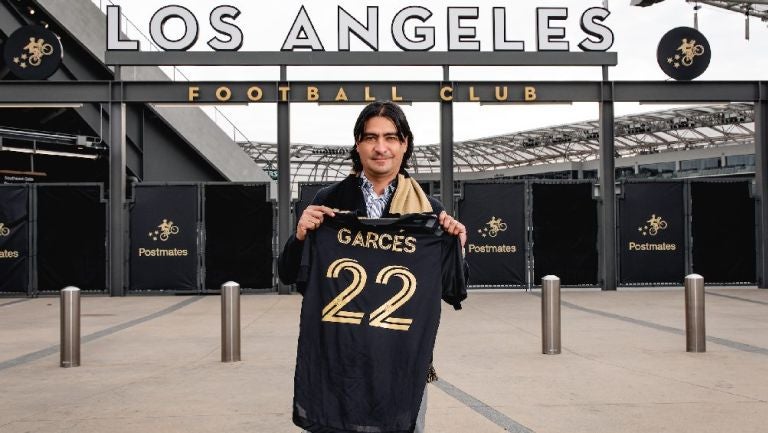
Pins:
<point x="311" y="219"/>
<point x="453" y="226"/>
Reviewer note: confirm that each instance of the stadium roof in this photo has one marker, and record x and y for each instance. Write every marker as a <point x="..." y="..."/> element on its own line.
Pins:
<point x="755" y="8"/>
<point x="638" y="134"/>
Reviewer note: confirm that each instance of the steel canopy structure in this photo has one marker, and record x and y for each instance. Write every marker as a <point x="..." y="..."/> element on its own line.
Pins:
<point x="755" y="8"/>
<point x="672" y="129"/>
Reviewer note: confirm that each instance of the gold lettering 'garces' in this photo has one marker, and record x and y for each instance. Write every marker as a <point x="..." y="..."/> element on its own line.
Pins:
<point x="388" y="245"/>
<point x="371" y="240"/>
<point x="359" y="240"/>
<point x="410" y="244"/>
<point x="345" y="236"/>
<point x="376" y="241"/>
<point x="397" y="244"/>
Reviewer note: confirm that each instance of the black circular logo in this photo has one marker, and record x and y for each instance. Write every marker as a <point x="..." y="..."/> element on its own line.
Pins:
<point x="683" y="53"/>
<point x="33" y="53"/>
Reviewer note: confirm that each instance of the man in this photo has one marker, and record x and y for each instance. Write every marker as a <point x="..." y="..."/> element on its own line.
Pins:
<point x="379" y="186"/>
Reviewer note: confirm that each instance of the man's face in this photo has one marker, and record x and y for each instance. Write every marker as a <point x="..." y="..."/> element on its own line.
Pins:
<point x="381" y="149"/>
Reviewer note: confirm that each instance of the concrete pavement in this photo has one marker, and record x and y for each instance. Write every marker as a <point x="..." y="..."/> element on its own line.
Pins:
<point x="151" y="364"/>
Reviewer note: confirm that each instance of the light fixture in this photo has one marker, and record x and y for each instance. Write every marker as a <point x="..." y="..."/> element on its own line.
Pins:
<point x="48" y="152"/>
<point x="44" y="23"/>
<point x="31" y="10"/>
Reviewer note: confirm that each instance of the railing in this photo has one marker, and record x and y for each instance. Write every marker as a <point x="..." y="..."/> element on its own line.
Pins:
<point x="175" y="74"/>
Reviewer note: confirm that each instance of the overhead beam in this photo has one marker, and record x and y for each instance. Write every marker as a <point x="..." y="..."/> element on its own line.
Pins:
<point x="346" y="58"/>
<point x="164" y="92"/>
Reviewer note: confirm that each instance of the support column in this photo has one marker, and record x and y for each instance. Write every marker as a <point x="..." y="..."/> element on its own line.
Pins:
<point x="117" y="181"/>
<point x="283" y="173"/>
<point x="446" y="150"/>
<point x="761" y="184"/>
<point x="606" y="176"/>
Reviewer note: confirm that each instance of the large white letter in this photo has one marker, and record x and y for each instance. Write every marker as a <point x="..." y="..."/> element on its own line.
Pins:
<point x="302" y="25"/>
<point x="157" y="24"/>
<point x="368" y="33"/>
<point x="113" y="32"/>
<point x="500" y="42"/>
<point x="228" y="29"/>
<point x="546" y="35"/>
<point x="591" y="26"/>
<point x="461" y="38"/>
<point x="425" y="36"/>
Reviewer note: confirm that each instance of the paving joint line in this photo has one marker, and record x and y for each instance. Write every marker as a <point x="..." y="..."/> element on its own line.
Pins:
<point x="14" y="302"/>
<point x="34" y="356"/>
<point x="744" y="347"/>
<point x="481" y="408"/>
<point x="737" y="298"/>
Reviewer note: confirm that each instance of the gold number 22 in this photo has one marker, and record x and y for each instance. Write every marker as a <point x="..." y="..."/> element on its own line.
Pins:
<point x="380" y="317"/>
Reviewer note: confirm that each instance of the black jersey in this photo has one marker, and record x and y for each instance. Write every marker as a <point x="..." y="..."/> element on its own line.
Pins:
<point x="369" y="319"/>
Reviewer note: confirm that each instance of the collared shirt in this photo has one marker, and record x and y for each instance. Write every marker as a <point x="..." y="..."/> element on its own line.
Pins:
<point x="374" y="203"/>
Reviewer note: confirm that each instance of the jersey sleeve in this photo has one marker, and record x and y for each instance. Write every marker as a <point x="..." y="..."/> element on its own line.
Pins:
<point x="453" y="273"/>
<point x="304" y="268"/>
<point x="289" y="261"/>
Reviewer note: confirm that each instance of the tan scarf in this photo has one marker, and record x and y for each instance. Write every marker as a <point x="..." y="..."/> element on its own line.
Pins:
<point x="409" y="197"/>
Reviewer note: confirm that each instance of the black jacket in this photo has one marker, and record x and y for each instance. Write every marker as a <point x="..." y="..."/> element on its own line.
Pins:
<point x="344" y="195"/>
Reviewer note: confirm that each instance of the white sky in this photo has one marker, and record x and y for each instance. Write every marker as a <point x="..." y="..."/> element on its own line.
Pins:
<point x="637" y="32"/>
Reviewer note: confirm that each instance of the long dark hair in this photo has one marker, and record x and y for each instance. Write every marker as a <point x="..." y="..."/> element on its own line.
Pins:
<point x="391" y="111"/>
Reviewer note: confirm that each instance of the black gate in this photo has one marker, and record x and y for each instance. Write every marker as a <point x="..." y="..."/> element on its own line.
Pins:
<point x="164" y="238"/>
<point x="238" y="236"/>
<point x="723" y="231"/>
<point x="71" y="238"/>
<point x="564" y="218"/>
<point x="652" y="233"/>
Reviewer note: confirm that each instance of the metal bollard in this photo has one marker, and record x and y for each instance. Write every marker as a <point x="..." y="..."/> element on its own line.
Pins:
<point x="550" y="315"/>
<point x="70" y="327"/>
<point x="695" y="334"/>
<point x="230" y="322"/>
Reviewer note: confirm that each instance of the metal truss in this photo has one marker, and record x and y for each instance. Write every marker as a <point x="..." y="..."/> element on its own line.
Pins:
<point x="755" y="8"/>
<point x="638" y="134"/>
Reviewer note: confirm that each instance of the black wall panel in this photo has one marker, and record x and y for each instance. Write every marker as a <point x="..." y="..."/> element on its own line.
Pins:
<point x="494" y="214"/>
